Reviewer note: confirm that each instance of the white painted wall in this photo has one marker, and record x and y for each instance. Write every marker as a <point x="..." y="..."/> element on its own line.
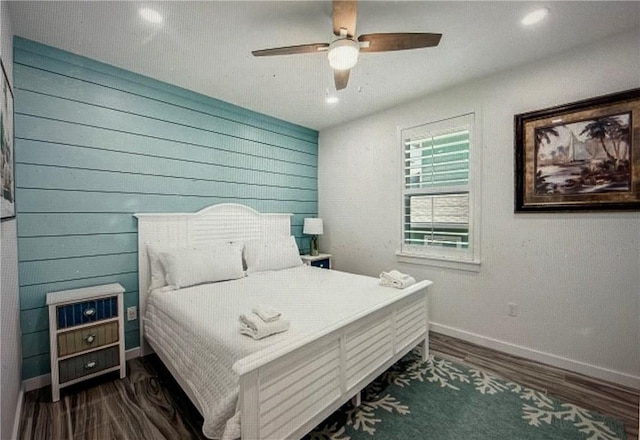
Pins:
<point x="575" y="277"/>
<point x="10" y="354"/>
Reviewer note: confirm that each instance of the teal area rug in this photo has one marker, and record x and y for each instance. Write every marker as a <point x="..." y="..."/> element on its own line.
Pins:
<point x="442" y="400"/>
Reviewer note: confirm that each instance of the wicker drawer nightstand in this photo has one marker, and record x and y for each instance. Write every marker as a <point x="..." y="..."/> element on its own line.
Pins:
<point x="86" y="334"/>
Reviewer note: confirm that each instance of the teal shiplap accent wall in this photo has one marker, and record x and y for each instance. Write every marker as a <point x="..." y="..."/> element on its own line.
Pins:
<point x="95" y="144"/>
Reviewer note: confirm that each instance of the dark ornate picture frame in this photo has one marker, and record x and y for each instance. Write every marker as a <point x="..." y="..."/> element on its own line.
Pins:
<point x="583" y="156"/>
<point x="7" y="159"/>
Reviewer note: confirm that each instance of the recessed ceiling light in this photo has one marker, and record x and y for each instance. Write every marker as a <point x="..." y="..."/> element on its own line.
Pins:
<point x="151" y="15"/>
<point x="332" y="99"/>
<point x="535" y="17"/>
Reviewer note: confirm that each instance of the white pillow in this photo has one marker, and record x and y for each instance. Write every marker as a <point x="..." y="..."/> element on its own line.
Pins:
<point x="155" y="266"/>
<point x="272" y="254"/>
<point x="187" y="267"/>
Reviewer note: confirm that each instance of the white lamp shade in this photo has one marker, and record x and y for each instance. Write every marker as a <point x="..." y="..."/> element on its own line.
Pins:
<point x="312" y="226"/>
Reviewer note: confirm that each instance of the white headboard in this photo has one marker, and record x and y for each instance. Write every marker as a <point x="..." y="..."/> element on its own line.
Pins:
<point x="226" y="221"/>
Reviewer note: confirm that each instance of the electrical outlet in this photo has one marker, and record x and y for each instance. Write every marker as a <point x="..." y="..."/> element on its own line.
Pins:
<point x="132" y="313"/>
<point x="513" y="309"/>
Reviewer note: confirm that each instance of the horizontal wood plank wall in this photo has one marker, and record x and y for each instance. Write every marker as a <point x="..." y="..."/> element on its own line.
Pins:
<point x="95" y="144"/>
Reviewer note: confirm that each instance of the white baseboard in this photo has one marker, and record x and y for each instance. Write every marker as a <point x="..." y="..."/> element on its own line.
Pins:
<point x="36" y="382"/>
<point x="42" y="381"/>
<point x="132" y="353"/>
<point x="17" y="418"/>
<point x="539" y="356"/>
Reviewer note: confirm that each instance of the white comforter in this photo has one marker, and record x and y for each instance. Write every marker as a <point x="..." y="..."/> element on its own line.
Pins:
<point x="196" y="329"/>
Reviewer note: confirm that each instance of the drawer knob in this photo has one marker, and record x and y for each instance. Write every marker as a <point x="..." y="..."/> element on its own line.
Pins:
<point x="89" y="365"/>
<point x="89" y="339"/>
<point x="89" y="312"/>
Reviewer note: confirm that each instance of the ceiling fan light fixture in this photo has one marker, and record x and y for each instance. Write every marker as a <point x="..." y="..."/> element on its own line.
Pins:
<point x="343" y="54"/>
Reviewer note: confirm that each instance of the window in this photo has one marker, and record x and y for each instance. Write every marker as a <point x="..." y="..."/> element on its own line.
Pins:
<point x="438" y="199"/>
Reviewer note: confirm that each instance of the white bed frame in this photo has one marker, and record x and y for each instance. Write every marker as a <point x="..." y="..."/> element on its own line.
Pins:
<point x="285" y="393"/>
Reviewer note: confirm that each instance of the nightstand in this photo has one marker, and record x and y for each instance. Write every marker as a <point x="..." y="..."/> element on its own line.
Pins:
<point x="86" y="334"/>
<point x="320" y="260"/>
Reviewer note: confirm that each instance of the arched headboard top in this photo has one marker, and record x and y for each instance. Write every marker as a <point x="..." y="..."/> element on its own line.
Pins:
<point x="215" y="223"/>
<point x="226" y="221"/>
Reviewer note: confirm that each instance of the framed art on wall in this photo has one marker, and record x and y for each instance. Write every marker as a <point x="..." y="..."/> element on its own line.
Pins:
<point x="7" y="180"/>
<point x="579" y="156"/>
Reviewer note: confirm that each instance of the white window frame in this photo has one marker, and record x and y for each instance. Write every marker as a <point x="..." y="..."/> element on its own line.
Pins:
<point x="463" y="259"/>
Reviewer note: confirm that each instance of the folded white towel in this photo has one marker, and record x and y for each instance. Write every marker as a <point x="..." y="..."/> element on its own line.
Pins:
<point x="396" y="279"/>
<point x="252" y="325"/>
<point x="266" y="313"/>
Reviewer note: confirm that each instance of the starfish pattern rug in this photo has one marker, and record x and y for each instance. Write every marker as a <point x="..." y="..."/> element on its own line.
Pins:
<point x="442" y="400"/>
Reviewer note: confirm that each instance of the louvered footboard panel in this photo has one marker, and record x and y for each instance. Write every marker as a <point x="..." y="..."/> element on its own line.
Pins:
<point x="290" y="397"/>
<point x="410" y="323"/>
<point x="365" y="346"/>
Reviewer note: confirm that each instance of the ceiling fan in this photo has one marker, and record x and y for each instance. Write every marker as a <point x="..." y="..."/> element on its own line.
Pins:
<point x="344" y="50"/>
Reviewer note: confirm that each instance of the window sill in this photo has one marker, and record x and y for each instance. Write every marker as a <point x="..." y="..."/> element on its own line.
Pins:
<point x="424" y="260"/>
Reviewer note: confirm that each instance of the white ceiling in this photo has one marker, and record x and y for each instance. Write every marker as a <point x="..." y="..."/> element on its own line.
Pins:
<point x="206" y="46"/>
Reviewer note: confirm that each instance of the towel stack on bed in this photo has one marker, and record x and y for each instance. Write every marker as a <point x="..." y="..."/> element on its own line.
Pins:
<point x="262" y="321"/>
<point x="396" y="279"/>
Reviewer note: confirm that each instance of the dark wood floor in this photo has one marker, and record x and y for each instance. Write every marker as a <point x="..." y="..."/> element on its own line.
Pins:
<point x="143" y="406"/>
<point x="148" y="404"/>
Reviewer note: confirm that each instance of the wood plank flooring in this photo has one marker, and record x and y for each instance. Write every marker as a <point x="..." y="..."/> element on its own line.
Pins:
<point x="143" y="406"/>
<point x="148" y="403"/>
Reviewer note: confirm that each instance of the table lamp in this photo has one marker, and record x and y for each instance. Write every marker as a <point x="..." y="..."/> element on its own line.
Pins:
<point x="313" y="227"/>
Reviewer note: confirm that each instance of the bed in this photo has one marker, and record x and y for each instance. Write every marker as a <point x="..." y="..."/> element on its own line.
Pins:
<point x="345" y="329"/>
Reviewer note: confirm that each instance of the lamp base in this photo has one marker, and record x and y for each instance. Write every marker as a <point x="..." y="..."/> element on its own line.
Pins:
<point x="314" y="246"/>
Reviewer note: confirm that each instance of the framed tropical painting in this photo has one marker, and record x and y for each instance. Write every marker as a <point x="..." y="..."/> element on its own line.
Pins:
<point x="7" y="184"/>
<point x="579" y="156"/>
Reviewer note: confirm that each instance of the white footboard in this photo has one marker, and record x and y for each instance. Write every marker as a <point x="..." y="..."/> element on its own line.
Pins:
<point x="288" y="394"/>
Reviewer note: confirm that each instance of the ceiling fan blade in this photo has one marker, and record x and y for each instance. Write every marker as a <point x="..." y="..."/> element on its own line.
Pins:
<point x="341" y="78"/>
<point x="291" y="50"/>
<point x="344" y="16"/>
<point x="397" y="41"/>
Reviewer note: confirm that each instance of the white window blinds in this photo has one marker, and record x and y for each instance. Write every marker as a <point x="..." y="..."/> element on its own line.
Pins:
<point x="436" y="186"/>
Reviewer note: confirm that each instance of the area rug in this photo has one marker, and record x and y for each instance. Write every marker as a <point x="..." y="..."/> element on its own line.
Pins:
<point x="442" y="400"/>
